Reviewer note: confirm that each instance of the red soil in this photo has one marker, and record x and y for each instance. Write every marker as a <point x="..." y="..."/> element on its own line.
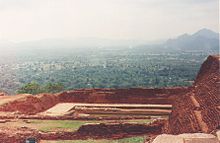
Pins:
<point x="120" y="130"/>
<point x="18" y="135"/>
<point x="31" y="104"/>
<point x="131" y="96"/>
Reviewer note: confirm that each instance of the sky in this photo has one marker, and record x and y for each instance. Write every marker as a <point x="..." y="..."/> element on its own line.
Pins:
<point x="25" y="20"/>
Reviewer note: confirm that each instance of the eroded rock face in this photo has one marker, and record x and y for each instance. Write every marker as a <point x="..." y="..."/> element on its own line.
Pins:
<point x="199" y="109"/>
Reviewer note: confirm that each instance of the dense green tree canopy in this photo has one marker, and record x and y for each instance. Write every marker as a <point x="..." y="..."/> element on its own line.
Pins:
<point x="35" y="88"/>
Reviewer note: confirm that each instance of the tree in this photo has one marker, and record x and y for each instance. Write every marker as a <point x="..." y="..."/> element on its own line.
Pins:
<point x="35" y="88"/>
<point x="53" y="87"/>
<point x="31" y="88"/>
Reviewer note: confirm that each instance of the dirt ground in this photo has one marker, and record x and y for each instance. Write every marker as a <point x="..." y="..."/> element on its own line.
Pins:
<point x="60" y="125"/>
<point x="7" y="99"/>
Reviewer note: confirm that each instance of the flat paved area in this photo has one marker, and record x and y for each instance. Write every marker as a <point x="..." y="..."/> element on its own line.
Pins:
<point x="218" y="134"/>
<point x="124" y="105"/>
<point x="59" y="109"/>
<point x="186" y="138"/>
<point x="63" y="108"/>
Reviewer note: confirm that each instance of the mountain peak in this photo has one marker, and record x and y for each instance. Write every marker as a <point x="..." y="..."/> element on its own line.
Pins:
<point x="205" y="30"/>
<point x="203" y="40"/>
<point x="207" y="33"/>
<point x="183" y="36"/>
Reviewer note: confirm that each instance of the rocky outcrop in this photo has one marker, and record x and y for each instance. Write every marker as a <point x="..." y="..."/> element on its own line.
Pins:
<point x="199" y="109"/>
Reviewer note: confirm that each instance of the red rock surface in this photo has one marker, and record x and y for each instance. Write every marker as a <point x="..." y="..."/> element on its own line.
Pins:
<point x="199" y="109"/>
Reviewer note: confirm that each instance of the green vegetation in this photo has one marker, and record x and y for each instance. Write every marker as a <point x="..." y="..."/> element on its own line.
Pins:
<point x="125" y="140"/>
<point x="51" y="125"/>
<point x="35" y="88"/>
<point x="116" y="68"/>
<point x="71" y="125"/>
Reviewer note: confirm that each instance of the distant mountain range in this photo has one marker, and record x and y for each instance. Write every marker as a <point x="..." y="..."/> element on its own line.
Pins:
<point x="204" y="40"/>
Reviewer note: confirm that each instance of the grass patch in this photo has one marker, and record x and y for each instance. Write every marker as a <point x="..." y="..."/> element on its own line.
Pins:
<point x="73" y="125"/>
<point x="125" y="140"/>
<point x="59" y="125"/>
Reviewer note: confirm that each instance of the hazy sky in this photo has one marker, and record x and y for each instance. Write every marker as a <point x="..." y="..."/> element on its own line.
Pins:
<point x="23" y="20"/>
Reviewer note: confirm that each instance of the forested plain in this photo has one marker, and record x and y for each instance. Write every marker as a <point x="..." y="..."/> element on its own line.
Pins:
<point x="55" y="71"/>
